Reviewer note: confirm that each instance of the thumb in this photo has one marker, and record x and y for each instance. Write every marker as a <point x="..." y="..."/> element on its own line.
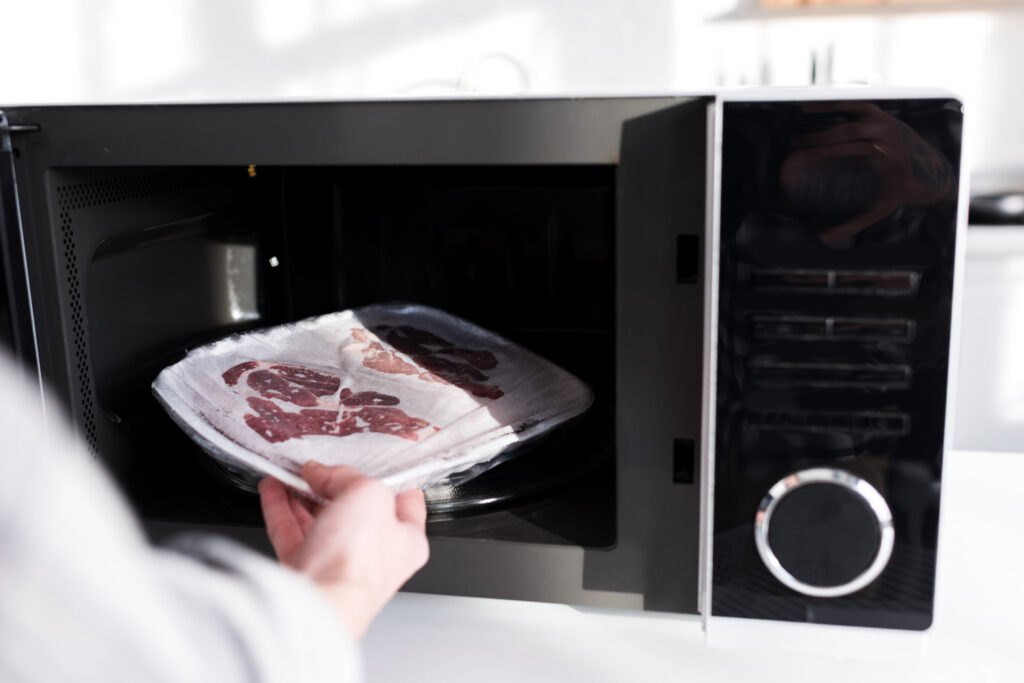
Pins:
<point x="326" y="481"/>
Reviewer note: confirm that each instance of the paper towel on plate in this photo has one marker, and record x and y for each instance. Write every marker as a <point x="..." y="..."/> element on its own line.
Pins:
<point x="402" y="392"/>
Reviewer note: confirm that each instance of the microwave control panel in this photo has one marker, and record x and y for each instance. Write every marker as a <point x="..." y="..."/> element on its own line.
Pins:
<point x="838" y="229"/>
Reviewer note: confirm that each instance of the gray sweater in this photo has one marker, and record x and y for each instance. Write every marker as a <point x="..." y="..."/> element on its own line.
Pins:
<point x="84" y="597"/>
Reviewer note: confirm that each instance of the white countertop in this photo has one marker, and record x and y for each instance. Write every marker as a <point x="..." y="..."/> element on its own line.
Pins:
<point x="978" y="633"/>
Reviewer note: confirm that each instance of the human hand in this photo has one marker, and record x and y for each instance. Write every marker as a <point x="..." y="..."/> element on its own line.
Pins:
<point x="359" y="548"/>
<point x="909" y="170"/>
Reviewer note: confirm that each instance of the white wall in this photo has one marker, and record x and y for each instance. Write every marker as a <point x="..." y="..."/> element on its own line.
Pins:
<point x="975" y="52"/>
<point x="990" y="385"/>
<point x="172" y="50"/>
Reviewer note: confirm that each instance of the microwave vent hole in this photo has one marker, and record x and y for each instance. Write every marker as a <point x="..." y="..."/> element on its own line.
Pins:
<point x="80" y="195"/>
<point x="74" y="298"/>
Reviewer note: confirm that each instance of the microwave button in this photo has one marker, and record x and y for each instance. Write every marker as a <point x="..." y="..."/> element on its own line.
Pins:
<point x="815" y="375"/>
<point x="873" y="329"/>
<point x="882" y="423"/>
<point x="821" y="281"/>
<point x="824" y="532"/>
<point x="882" y="283"/>
<point x="798" y="279"/>
<point x="802" y="327"/>
<point x="789" y="327"/>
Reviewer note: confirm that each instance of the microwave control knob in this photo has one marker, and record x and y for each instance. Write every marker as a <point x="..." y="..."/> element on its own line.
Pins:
<point x="824" y="532"/>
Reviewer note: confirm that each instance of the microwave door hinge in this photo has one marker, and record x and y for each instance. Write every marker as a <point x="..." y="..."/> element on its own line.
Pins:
<point x="12" y="253"/>
<point x="6" y="129"/>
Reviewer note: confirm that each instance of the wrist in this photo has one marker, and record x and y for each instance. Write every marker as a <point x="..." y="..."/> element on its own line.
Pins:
<point x="352" y="603"/>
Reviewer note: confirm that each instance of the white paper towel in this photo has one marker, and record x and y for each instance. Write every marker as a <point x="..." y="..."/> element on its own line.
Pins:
<point x="402" y="392"/>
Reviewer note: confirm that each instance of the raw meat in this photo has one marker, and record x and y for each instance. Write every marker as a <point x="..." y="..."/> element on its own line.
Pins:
<point x="402" y="392"/>
<point x="424" y="348"/>
<point x="323" y="409"/>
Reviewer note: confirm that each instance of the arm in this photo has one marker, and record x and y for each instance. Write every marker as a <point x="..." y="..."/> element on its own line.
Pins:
<point x="84" y="597"/>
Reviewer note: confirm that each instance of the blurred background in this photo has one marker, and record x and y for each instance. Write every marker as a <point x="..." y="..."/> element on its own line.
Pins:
<point x="71" y="51"/>
<point x="187" y="50"/>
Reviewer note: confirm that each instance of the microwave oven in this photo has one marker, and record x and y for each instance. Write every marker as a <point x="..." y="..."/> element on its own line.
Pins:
<point x="758" y="288"/>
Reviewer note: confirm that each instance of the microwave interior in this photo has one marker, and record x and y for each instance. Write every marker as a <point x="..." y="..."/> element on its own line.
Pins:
<point x="187" y="255"/>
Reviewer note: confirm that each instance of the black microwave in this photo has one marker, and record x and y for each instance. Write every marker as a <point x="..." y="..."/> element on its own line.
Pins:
<point x="758" y="288"/>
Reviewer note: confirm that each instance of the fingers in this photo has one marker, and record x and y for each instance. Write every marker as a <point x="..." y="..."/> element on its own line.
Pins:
<point x="309" y="501"/>
<point x="283" y="529"/>
<point x="303" y="515"/>
<point x="329" y="481"/>
<point x="411" y="507"/>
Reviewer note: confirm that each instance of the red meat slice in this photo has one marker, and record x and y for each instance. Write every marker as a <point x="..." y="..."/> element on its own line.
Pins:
<point x="307" y="388"/>
<point x="451" y="370"/>
<point x="381" y="360"/>
<point x="275" y="424"/>
<point x="412" y="341"/>
<point x="232" y="374"/>
<point x="483" y="360"/>
<point x="319" y="383"/>
<point x="273" y="385"/>
<point x="366" y="398"/>
<point x="425" y="349"/>
<point x="385" y="420"/>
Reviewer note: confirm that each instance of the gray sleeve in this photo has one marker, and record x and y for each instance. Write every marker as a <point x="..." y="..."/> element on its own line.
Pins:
<point x="271" y="624"/>
<point x="84" y="597"/>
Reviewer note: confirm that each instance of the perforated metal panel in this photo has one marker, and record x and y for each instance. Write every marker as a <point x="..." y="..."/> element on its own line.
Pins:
<point x="71" y="198"/>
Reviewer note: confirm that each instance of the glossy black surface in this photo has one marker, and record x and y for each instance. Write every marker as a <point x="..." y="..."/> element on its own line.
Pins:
<point x="837" y="241"/>
<point x="824" y="535"/>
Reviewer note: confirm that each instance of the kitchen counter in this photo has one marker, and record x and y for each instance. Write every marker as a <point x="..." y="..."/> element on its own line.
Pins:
<point x="977" y="635"/>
